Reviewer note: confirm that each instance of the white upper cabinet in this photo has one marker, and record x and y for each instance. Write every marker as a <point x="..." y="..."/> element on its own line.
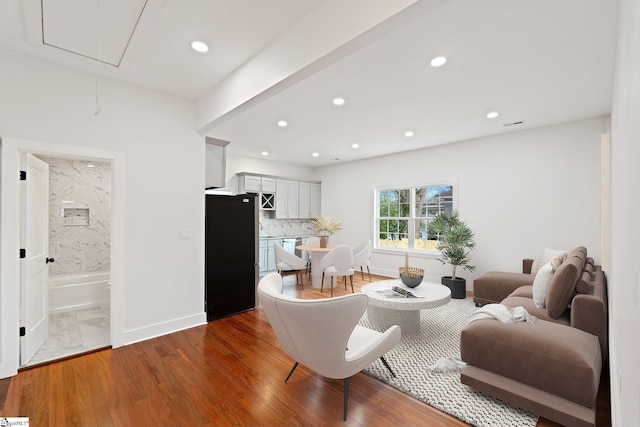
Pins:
<point x="268" y="185"/>
<point x="314" y="200"/>
<point x="287" y="199"/>
<point x="291" y="199"/>
<point x="304" y="199"/>
<point x="256" y="184"/>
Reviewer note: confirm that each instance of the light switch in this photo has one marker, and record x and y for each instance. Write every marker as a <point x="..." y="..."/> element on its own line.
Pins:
<point x="185" y="233"/>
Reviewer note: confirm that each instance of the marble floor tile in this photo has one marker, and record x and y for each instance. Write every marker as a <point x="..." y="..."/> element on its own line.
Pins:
<point x="74" y="332"/>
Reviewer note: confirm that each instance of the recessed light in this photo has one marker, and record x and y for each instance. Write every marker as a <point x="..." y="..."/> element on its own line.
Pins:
<point x="492" y="115"/>
<point x="91" y="165"/>
<point x="282" y="123"/>
<point x="265" y="153"/>
<point x="408" y="134"/>
<point x="438" y="61"/>
<point x="338" y="101"/>
<point x="355" y="145"/>
<point x="315" y="154"/>
<point x="199" y="46"/>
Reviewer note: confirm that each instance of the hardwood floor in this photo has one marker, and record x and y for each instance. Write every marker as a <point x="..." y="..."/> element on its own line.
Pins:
<point x="229" y="372"/>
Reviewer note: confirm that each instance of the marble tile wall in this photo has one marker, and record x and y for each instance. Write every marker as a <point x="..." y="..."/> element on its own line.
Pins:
<point x="78" y="243"/>
<point x="284" y="227"/>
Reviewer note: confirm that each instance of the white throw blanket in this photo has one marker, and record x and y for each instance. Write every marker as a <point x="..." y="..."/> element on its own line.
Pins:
<point x="503" y="313"/>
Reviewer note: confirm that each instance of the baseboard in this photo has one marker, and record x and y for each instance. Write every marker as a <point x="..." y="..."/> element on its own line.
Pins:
<point x="153" y="331"/>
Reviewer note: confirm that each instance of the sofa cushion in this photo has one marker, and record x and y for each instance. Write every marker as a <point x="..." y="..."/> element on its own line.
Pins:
<point x="540" y="282"/>
<point x="564" y="362"/>
<point x="546" y="256"/>
<point x="494" y="286"/>
<point x="562" y="286"/>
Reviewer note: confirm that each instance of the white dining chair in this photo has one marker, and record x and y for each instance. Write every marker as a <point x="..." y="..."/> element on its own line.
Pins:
<point x="286" y="261"/>
<point x="362" y="257"/>
<point x="324" y="334"/>
<point x="338" y="262"/>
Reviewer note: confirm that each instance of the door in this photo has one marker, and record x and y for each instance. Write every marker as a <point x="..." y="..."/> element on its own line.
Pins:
<point x="34" y="273"/>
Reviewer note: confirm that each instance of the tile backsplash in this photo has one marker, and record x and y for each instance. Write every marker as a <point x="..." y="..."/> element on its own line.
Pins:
<point x="272" y="227"/>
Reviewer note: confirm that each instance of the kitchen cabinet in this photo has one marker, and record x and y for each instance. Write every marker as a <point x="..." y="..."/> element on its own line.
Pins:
<point x="266" y="255"/>
<point x="314" y="200"/>
<point x="256" y="184"/>
<point x="287" y="199"/>
<point x="263" y="185"/>
<point x="304" y="200"/>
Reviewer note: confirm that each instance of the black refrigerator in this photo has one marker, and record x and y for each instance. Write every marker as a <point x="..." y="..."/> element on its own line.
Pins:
<point x="231" y="254"/>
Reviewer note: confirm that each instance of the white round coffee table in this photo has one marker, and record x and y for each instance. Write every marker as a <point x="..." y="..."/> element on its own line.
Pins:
<point x="384" y="310"/>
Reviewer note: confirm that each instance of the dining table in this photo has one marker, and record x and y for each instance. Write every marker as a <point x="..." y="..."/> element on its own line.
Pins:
<point x="317" y="252"/>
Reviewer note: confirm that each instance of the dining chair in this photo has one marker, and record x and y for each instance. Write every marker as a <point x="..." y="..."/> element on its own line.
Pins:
<point x="362" y="256"/>
<point x="306" y="255"/>
<point x="324" y="334"/>
<point x="337" y="262"/>
<point x="286" y="261"/>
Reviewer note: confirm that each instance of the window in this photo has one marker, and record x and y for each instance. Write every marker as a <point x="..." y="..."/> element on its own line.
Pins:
<point x="403" y="214"/>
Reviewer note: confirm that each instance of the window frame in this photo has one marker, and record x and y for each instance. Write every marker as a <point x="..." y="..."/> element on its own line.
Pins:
<point x="412" y="218"/>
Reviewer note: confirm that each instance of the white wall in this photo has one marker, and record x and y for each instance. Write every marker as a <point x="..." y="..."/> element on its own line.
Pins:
<point x="624" y="295"/>
<point x="160" y="166"/>
<point x="520" y="192"/>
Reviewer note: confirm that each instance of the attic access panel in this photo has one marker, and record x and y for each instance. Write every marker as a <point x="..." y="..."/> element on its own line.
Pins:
<point x="97" y="29"/>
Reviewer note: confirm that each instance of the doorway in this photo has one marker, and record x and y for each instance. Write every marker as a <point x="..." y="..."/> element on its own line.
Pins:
<point x="10" y="265"/>
<point x="79" y="232"/>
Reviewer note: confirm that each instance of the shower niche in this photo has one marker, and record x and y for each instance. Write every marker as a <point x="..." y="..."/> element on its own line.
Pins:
<point x="75" y="215"/>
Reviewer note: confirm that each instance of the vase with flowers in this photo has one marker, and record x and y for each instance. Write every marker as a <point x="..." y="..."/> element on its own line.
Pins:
<point x="326" y="226"/>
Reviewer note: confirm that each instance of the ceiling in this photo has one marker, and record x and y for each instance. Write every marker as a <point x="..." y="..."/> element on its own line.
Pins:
<point x="536" y="62"/>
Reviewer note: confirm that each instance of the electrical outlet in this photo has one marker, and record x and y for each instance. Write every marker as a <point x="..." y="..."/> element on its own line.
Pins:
<point x="185" y="233"/>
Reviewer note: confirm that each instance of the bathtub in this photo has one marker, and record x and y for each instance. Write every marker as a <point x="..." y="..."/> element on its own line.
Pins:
<point x="77" y="291"/>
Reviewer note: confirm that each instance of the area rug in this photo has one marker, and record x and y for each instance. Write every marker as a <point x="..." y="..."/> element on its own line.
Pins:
<point x="439" y="336"/>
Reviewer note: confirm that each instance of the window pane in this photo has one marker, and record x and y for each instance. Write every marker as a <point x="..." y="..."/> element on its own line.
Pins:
<point x="417" y="204"/>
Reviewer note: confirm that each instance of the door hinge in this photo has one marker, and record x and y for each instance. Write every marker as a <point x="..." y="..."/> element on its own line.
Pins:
<point x="23" y="175"/>
<point x="23" y="331"/>
<point x="23" y="253"/>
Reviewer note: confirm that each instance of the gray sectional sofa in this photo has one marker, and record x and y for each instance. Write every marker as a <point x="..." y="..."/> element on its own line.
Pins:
<point x="551" y="367"/>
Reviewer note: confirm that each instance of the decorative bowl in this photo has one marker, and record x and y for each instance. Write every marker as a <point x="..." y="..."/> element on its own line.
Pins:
<point x="411" y="276"/>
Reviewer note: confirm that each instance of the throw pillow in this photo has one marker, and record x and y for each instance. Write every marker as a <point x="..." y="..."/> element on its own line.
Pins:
<point x="562" y="285"/>
<point x="540" y="283"/>
<point x="546" y="256"/>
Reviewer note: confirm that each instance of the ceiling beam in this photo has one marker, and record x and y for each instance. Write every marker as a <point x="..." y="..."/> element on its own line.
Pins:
<point x="327" y="34"/>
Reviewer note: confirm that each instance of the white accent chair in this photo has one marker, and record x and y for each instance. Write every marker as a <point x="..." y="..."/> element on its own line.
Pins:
<point x="306" y="255"/>
<point x="323" y="334"/>
<point x="362" y="256"/>
<point x="337" y="262"/>
<point x="286" y="261"/>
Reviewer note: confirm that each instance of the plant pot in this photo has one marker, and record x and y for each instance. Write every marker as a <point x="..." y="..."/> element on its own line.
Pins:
<point x="323" y="241"/>
<point x="458" y="286"/>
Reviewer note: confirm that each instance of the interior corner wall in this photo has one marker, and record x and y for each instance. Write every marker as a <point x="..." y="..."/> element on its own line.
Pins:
<point x="163" y="275"/>
<point x="624" y="287"/>
<point x="520" y="192"/>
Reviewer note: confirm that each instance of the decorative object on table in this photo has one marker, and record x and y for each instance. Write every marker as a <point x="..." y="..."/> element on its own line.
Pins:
<point x="455" y="241"/>
<point x="410" y="276"/>
<point x="326" y="226"/>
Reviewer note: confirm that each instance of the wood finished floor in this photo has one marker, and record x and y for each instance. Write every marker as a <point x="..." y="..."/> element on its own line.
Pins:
<point x="229" y="372"/>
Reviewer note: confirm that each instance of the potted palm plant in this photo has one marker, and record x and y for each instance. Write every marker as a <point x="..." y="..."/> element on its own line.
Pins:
<point x="326" y="226"/>
<point x="455" y="241"/>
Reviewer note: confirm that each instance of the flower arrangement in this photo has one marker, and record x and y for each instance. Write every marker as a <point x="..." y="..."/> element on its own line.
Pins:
<point x="327" y="225"/>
